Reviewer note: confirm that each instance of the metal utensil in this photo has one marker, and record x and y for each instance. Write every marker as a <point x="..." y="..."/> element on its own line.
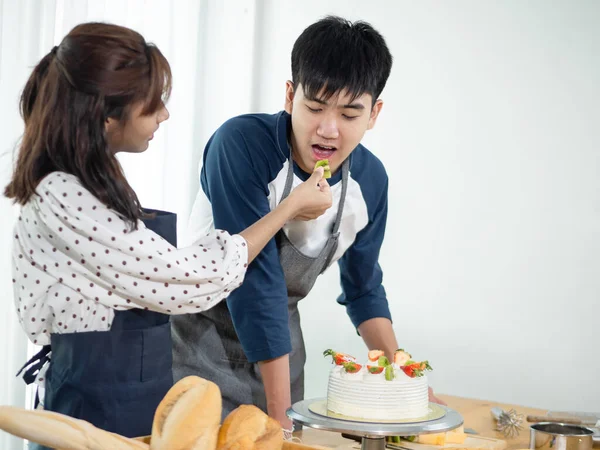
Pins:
<point x="509" y="422"/>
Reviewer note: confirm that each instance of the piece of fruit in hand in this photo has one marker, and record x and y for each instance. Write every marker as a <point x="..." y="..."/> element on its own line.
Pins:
<point x="339" y="358"/>
<point x="325" y="164"/>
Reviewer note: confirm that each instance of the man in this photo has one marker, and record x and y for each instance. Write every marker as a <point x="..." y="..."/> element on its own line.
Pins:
<point x="253" y="347"/>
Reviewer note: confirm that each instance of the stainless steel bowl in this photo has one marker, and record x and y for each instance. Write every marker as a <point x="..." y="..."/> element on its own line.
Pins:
<point x="560" y="436"/>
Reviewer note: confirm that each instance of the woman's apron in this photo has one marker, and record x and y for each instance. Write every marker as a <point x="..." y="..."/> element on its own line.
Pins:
<point x="113" y="379"/>
<point x="207" y="345"/>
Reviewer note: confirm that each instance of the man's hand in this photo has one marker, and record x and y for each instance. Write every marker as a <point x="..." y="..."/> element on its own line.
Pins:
<point x="434" y="399"/>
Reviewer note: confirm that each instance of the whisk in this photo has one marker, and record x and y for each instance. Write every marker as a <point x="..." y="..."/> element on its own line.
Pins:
<point x="509" y="422"/>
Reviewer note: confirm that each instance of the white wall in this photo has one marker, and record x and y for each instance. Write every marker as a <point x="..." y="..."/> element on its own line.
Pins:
<point x="489" y="133"/>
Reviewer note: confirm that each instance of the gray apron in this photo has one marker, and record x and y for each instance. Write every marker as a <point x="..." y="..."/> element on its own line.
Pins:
<point x="206" y="344"/>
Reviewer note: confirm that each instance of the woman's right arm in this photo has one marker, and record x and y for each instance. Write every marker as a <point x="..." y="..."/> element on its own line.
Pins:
<point x="90" y="249"/>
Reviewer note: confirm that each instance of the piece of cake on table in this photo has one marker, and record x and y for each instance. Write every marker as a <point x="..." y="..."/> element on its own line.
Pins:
<point x="379" y="390"/>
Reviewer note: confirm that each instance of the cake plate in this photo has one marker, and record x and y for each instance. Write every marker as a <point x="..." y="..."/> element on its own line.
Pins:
<point x="372" y="433"/>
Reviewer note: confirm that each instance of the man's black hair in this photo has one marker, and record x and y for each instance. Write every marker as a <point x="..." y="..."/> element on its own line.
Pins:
<point x="335" y="54"/>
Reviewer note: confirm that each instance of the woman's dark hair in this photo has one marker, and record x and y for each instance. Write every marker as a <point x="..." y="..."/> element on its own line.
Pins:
<point x="335" y="54"/>
<point x="97" y="72"/>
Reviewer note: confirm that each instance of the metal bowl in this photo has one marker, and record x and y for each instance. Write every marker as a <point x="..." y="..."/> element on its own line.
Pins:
<point x="560" y="436"/>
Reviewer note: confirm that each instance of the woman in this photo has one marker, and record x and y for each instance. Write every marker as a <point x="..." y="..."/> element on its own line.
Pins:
<point x="92" y="282"/>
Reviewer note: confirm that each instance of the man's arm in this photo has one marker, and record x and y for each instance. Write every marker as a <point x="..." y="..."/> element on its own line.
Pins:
<point x="235" y="179"/>
<point x="361" y="276"/>
<point x="276" y="378"/>
<point x="378" y="334"/>
<point x="363" y="292"/>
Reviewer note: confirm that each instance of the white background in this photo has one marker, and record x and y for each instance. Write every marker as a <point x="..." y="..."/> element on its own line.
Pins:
<point x="489" y="134"/>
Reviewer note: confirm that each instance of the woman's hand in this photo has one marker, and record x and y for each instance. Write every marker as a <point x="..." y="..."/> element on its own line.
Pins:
<point x="312" y="198"/>
<point x="308" y="201"/>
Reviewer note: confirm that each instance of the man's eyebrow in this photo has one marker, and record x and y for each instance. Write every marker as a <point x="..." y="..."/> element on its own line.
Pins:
<point x="357" y="106"/>
<point x="316" y="100"/>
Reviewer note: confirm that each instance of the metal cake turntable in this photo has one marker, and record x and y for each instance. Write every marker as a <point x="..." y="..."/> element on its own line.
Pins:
<point x="313" y="413"/>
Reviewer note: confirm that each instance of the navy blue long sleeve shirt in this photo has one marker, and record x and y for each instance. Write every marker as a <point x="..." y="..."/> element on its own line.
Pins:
<point x="242" y="179"/>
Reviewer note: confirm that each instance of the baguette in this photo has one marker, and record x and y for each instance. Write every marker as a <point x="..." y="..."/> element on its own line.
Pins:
<point x="62" y="432"/>
<point x="188" y="417"/>
<point x="248" y="428"/>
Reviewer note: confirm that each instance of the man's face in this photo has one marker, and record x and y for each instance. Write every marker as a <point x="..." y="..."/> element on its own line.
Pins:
<point x="327" y="129"/>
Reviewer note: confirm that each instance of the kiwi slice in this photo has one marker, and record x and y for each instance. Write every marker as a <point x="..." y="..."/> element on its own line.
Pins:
<point x="383" y="361"/>
<point x="325" y="164"/>
<point x="389" y="373"/>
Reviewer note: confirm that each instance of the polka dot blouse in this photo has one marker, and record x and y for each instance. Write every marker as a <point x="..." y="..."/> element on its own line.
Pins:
<point x="75" y="262"/>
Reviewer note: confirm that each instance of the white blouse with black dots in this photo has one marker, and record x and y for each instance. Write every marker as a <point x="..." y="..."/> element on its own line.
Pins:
<point x="75" y="262"/>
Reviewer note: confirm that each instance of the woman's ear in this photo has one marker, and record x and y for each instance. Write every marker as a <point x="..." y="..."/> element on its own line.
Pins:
<point x="113" y="131"/>
<point x="110" y="125"/>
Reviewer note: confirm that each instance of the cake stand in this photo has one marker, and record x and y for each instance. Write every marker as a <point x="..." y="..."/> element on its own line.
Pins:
<point x="313" y="414"/>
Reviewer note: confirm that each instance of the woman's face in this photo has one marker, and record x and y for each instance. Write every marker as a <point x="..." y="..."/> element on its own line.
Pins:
<point x="134" y="134"/>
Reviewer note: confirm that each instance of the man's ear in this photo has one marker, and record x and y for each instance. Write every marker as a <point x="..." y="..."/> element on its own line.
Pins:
<point x="289" y="96"/>
<point x="375" y="113"/>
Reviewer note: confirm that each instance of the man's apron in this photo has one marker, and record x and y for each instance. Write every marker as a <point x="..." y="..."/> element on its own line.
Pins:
<point x="113" y="379"/>
<point x="206" y="344"/>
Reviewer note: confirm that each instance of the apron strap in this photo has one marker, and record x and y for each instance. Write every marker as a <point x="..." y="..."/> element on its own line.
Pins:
<point x="35" y="363"/>
<point x="336" y="225"/>
<point x="345" y="172"/>
<point x="289" y="179"/>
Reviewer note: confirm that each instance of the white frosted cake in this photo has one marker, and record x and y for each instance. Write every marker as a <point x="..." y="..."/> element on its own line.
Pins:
<point x="380" y="390"/>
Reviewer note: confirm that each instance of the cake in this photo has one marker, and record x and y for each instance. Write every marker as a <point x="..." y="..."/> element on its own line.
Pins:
<point x="379" y="390"/>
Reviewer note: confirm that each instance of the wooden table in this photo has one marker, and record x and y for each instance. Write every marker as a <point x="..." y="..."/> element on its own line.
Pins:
<point x="476" y="414"/>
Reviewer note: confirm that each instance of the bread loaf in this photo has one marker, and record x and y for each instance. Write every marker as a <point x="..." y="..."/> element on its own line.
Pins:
<point x="248" y="428"/>
<point x="188" y="417"/>
<point x="61" y="432"/>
